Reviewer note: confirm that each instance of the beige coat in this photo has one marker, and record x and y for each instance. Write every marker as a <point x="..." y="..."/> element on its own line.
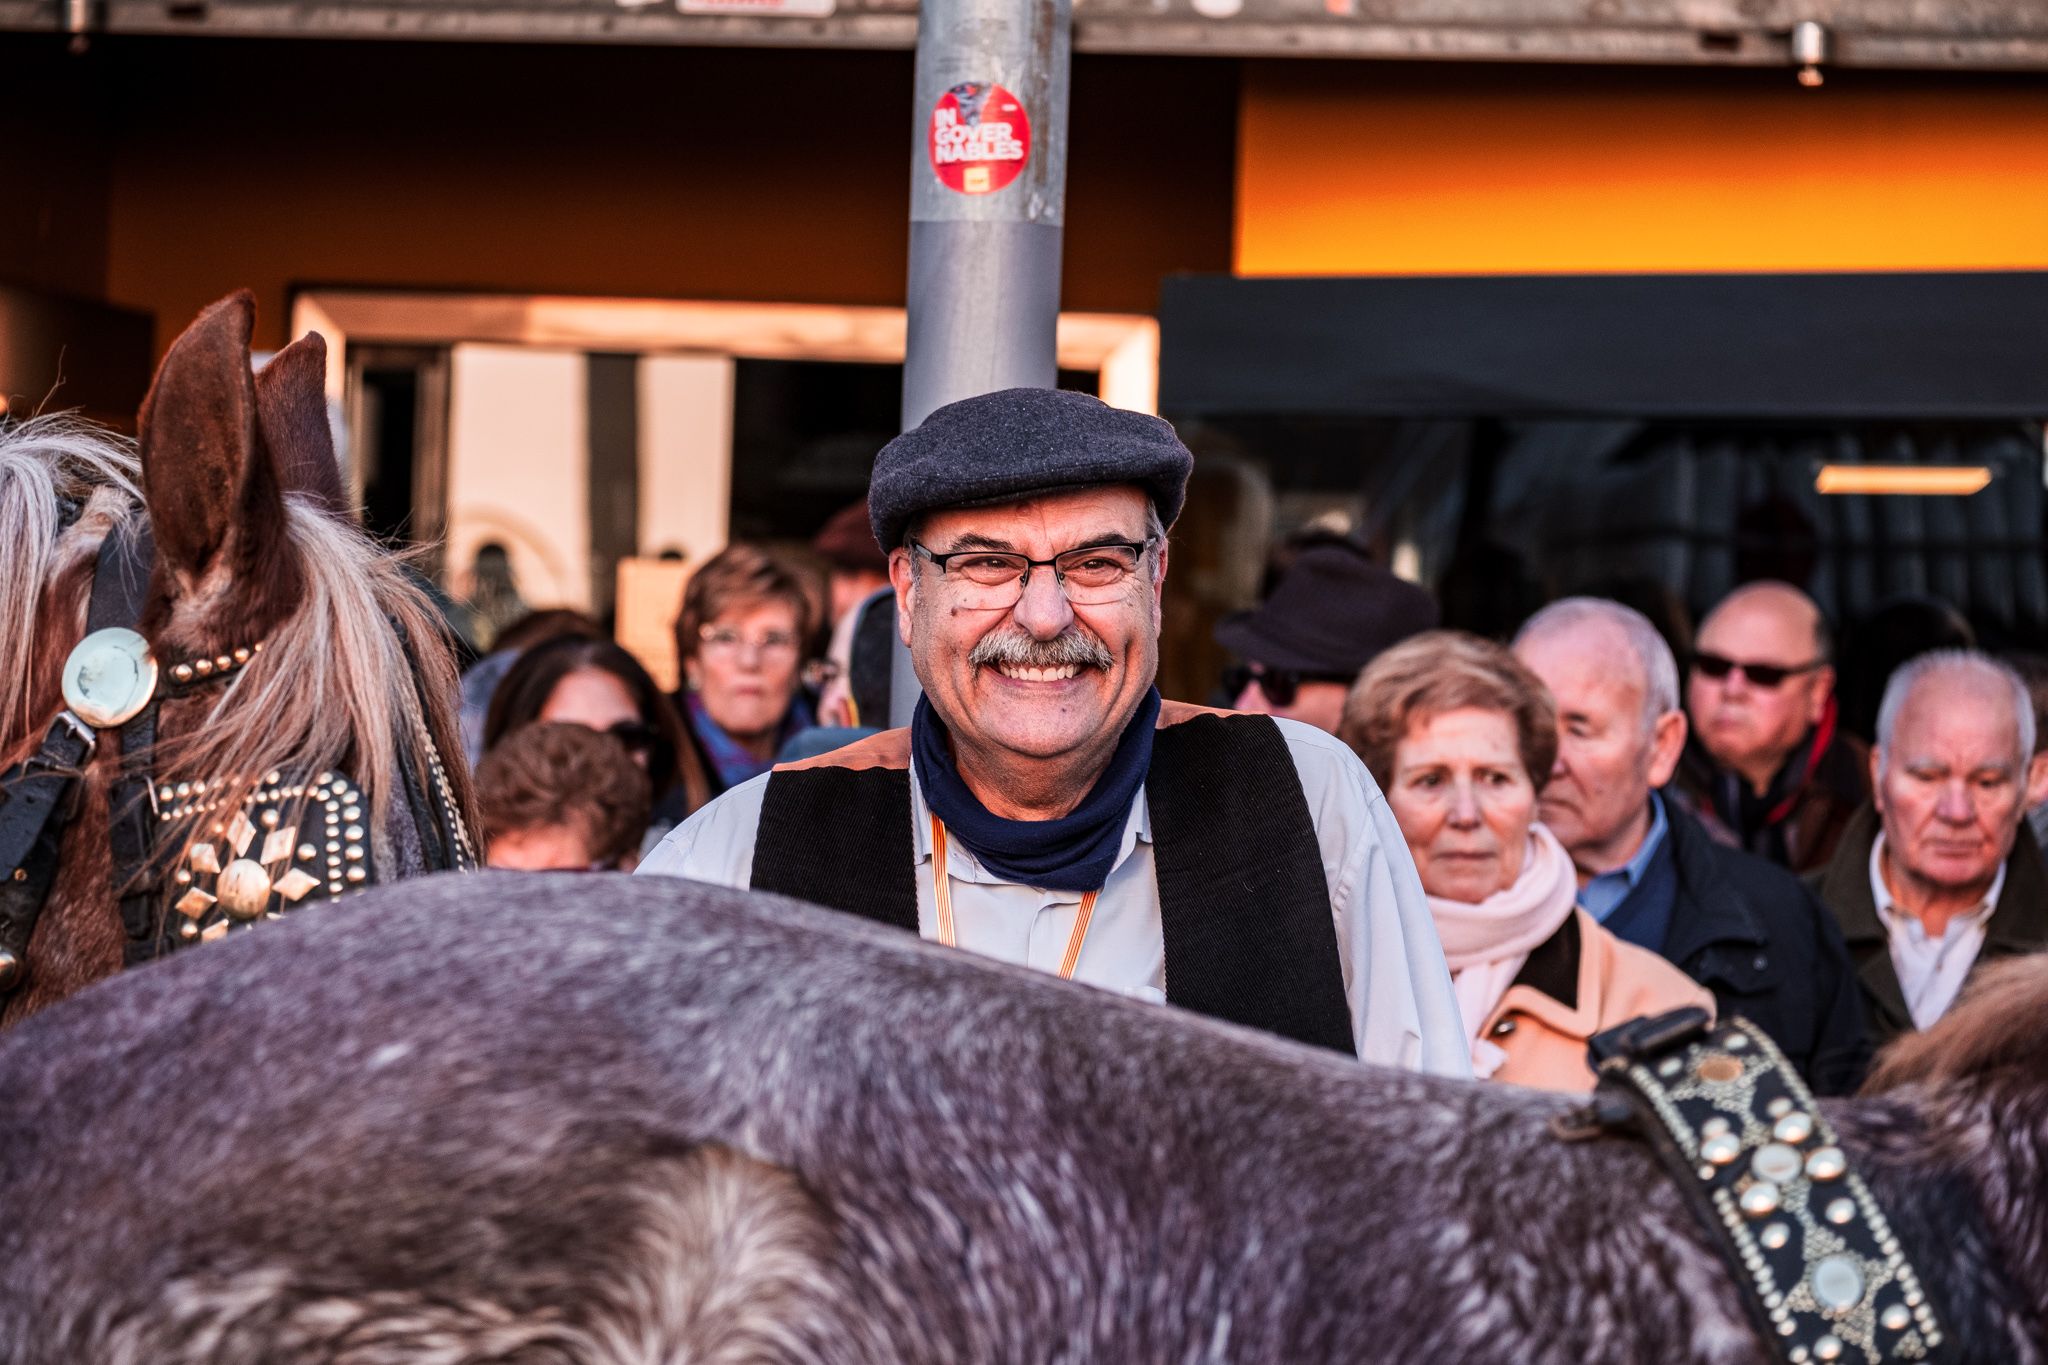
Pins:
<point x="1545" y="1037"/>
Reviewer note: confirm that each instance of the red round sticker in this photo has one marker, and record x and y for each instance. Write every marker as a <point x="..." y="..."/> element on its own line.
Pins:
<point x="980" y="138"/>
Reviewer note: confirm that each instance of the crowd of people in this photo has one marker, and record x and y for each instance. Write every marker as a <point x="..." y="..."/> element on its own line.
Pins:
<point x="1443" y="851"/>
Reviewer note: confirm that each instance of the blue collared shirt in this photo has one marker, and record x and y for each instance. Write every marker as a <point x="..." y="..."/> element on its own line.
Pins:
<point x="1603" y="893"/>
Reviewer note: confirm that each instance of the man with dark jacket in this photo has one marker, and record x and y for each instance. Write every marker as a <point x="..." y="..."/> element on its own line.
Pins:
<point x="1933" y="878"/>
<point x="1743" y="928"/>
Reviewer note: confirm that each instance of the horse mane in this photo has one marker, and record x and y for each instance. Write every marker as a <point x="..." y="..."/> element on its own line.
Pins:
<point x="46" y="460"/>
<point x="2001" y="1023"/>
<point x="335" y="685"/>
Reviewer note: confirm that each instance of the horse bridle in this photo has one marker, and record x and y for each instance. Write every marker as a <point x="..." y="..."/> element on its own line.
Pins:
<point x="1821" y="1272"/>
<point x="113" y="682"/>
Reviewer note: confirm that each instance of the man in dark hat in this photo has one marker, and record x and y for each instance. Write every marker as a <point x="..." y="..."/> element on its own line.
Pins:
<point x="1330" y="616"/>
<point x="1045" y="806"/>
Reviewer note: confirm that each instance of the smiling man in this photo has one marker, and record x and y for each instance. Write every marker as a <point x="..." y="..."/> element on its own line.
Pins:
<point x="1045" y="806"/>
<point x="1933" y="877"/>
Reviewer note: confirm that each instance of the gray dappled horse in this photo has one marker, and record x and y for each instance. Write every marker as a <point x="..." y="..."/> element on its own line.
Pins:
<point x="219" y="701"/>
<point x="581" y="1118"/>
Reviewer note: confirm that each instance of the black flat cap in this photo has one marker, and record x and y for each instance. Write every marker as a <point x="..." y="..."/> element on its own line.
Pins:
<point x="1014" y="443"/>
<point x="1332" y="614"/>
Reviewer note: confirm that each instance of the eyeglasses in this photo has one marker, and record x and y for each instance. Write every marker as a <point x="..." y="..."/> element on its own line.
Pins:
<point x="1089" y="575"/>
<point x="1281" y="685"/>
<point x="1766" y="676"/>
<point x="727" y="641"/>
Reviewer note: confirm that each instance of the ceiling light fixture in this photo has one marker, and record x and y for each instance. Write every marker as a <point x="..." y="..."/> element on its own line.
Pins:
<point x="1923" y="480"/>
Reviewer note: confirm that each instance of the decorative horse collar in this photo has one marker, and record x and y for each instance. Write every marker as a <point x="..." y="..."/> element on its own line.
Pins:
<point x="314" y="839"/>
<point x="1821" y="1272"/>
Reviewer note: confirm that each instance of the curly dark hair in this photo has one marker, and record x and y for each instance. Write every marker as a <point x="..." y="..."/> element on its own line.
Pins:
<point x="559" y="773"/>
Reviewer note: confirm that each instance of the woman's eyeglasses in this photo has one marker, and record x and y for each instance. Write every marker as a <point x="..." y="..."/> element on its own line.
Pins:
<point x="1766" y="676"/>
<point x="1281" y="685"/>
<point x="726" y="640"/>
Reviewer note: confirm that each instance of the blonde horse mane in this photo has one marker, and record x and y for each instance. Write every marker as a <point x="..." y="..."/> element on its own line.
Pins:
<point x="44" y="461"/>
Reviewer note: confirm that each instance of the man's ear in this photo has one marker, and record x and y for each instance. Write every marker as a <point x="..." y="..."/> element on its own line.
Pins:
<point x="1159" y="587"/>
<point x="1667" y="743"/>
<point x="1877" y="778"/>
<point x="1817" y="698"/>
<point x="903" y="578"/>
<point x="2037" y="779"/>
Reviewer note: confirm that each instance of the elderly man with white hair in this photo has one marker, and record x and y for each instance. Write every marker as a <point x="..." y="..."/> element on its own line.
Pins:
<point x="1931" y="878"/>
<point x="1742" y="927"/>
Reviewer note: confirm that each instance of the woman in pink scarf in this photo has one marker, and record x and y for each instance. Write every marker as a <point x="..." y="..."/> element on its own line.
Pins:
<point x="1461" y="737"/>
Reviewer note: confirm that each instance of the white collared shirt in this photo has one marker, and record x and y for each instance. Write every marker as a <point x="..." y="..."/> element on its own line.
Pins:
<point x="1402" y="1010"/>
<point x="1930" y="970"/>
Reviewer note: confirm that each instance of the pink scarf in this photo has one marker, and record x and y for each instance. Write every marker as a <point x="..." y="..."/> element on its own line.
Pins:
<point x="1486" y="943"/>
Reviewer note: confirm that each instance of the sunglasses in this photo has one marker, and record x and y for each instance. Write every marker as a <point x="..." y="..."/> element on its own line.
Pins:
<point x="638" y="738"/>
<point x="1281" y="685"/>
<point x="1766" y="676"/>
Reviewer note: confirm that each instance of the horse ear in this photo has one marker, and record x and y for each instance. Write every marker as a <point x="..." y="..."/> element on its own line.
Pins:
<point x="205" y="473"/>
<point x="291" y="410"/>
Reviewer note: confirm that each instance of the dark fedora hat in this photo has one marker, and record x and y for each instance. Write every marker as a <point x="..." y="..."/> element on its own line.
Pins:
<point x="1333" y="612"/>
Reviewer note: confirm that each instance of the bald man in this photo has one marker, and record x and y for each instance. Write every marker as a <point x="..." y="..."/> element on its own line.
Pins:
<point x="1767" y="769"/>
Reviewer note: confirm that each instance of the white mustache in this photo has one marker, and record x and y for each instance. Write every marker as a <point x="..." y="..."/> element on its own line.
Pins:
<point x="1014" y="650"/>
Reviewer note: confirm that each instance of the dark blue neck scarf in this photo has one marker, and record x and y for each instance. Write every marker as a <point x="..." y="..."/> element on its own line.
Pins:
<point x="1072" y="853"/>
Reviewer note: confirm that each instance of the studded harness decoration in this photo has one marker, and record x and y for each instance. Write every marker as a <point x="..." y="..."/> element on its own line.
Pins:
<point x="314" y="838"/>
<point x="1821" y="1272"/>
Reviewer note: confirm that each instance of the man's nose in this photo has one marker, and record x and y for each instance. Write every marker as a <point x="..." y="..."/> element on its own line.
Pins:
<point x="1464" y="806"/>
<point x="1043" y="610"/>
<point x="1253" y="701"/>
<point x="1954" y="806"/>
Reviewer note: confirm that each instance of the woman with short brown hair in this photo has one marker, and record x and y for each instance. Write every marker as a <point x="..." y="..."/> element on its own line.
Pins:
<point x="1461" y="737"/>
<point x="747" y="623"/>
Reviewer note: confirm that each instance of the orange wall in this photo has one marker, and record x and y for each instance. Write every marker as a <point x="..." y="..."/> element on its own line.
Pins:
<point x="1355" y="168"/>
<point x="634" y="171"/>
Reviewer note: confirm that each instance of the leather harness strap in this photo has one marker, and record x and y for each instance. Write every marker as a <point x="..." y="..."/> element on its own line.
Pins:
<point x="119" y="586"/>
<point x="37" y="795"/>
<point x="1820" y="1271"/>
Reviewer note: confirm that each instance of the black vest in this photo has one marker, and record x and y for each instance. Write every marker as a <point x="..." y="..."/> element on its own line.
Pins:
<point x="1249" y="933"/>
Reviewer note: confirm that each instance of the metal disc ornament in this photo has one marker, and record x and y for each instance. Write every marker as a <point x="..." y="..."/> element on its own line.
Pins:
<point x="109" y="677"/>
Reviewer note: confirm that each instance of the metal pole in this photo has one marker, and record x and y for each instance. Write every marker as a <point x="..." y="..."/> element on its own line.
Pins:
<point x="988" y="186"/>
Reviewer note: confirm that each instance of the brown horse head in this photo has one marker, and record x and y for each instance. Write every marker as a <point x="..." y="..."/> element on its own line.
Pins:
<point x="292" y="748"/>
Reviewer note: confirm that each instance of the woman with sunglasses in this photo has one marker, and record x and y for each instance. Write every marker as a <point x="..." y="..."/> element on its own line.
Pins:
<point x="597" y="684"/>
<point x="747" y="625"/>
